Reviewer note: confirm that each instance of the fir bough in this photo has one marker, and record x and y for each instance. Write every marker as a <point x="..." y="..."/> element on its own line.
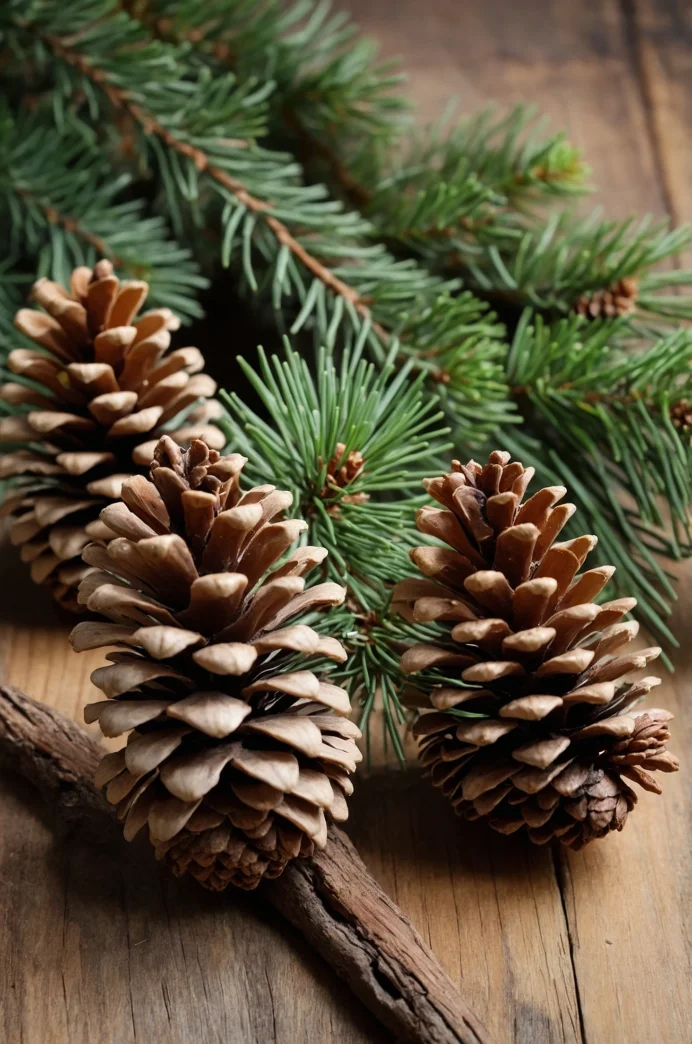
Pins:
<point x="352" y="444"/>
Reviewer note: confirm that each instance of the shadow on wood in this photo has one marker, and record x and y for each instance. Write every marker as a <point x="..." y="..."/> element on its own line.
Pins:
<point x="23" y="603"/>
<point x="489" y="906"/>
<point x="101" y="944"/>
<point x="430" y="835"/>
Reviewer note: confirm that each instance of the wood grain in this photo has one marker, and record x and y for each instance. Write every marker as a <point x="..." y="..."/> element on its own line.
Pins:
<point x="593" y="948"/>
<point x="331" y="898"/>
<point x="598" y="947"/>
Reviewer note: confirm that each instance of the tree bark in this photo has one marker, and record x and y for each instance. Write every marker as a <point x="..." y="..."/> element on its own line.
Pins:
<point x="331" y="898"/>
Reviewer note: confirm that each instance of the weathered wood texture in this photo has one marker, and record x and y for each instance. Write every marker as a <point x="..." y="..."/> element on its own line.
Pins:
<point x="598" y="947"/>
<point x="331" y="898"/>
<point x="595" y="948"/>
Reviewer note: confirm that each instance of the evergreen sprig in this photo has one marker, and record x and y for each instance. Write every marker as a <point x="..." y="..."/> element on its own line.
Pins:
<point x="63" y="207"/>
<point x="599" y="421"/>
<point x="335" y="105"/>
<point x="552" y="267"/>
<point x="194" y="133"/>
<point x="463" y="188"/>
<point x="352" y="443"/>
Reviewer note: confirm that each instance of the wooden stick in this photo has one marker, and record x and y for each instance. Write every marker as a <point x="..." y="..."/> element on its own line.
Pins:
<point x="331" y="898"/>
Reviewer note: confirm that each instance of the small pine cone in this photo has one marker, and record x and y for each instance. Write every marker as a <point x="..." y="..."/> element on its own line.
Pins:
<point x="236" y="751"/>
<point x="523" y="644"/>
<point x="341" y="472"/>
<point x="618" y="300"/>
<point x="95" y="398"/>
<point x="681" y="416"/>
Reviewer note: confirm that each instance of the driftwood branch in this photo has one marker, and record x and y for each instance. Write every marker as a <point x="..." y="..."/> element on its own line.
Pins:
<point x="331" y="898"/>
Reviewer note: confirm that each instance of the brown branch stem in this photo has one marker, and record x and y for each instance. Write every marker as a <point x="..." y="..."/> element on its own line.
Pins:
<point x="331" y="898"/>
<point x="70" y="224"/>
<point x="221" y="49"/>
<point x="120" y="100"/>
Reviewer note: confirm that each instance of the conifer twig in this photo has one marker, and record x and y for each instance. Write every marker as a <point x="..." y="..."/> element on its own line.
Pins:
<point x="320" y="65"/>
<point x="63" y="206"/>
<point x="317" y="259"/>
<point x="151" y="126"/>
<point x="71" y="224"/>
<point x="330" y="898"/>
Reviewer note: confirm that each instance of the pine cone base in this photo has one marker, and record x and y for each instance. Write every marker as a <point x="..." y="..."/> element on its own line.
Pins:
<point x="223" y="855"/>
<point x="594" y="808"/>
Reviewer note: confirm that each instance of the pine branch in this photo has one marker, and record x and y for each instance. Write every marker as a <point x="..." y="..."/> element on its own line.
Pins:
<point x="333" y="100"/>
<point x="599" y="419"/>
<point x="468" y="200"/>
<point x="150" y="126"/>
<point x="352" y="444"/>
<point x="555" y="268"/>
<point x="64" y="208"/>
<point x="333" y="106"/>
<point x="473" y="183"/>
<point x="196" y="135"/>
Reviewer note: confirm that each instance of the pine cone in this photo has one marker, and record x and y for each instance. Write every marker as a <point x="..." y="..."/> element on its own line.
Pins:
<point x="530" y="651"/>
<point x="618" y="300"/>
<point x="341" y="472"/>
<point x="105" y="395"/>
<point x="236" y="752"/>
<point x="681" y="416"/>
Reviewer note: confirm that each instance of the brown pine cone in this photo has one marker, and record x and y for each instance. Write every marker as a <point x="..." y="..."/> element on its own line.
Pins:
<point x="617" y="300"/>
<point x="341" y="472"/>
<point x="681" y="416"/>
<point x="88" y="408"/>
<point x="237" y="750"/>
<point x="524" y="647"/>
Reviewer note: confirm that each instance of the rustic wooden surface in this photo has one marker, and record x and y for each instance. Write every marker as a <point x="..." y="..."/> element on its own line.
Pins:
<point x="331" y="898"/>
<point x="593" y="947"/>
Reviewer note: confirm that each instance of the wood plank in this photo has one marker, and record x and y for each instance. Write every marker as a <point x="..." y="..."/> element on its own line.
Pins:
<point x="97" y="947"/>
<point x="626" y="901"/>
<point x="489" y="906"/>
<point x="661" y="39"/>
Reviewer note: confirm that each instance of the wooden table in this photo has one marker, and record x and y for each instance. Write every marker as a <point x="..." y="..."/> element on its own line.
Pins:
<point x="592" y="947"/>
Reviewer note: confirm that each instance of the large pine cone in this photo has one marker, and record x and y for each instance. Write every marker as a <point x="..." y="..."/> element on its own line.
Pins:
<point x="237" y="749"/>
<point x="105" y="395"/>
<point x="524" y="647"/>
